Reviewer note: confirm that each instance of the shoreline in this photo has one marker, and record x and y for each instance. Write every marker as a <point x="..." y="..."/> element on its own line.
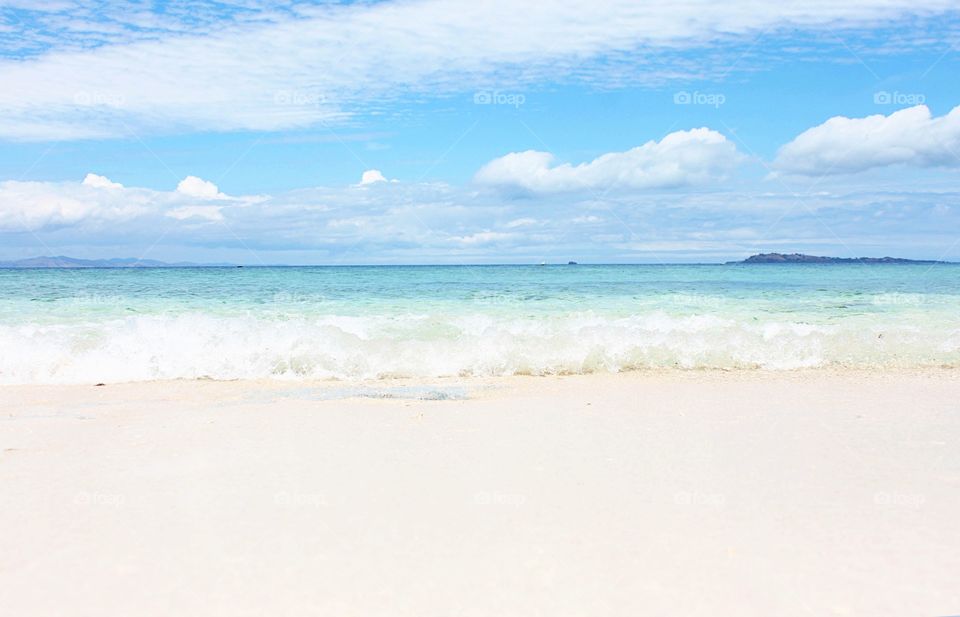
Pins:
<point x="512" y="381"/>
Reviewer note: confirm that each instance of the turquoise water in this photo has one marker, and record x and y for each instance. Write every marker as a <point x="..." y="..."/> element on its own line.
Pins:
<point x="108" y="325"/>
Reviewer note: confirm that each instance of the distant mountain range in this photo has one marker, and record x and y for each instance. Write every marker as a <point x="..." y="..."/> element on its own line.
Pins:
<point x="800" y="258"/>
<point x="120" y="262"/>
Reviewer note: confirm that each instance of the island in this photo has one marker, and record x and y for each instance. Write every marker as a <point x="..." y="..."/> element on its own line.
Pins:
<point x="61" y="261"/>
<point x="800" y="258"/>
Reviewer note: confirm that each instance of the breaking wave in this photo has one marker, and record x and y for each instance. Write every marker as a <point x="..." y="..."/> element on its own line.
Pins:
<point x="202" y="345"/>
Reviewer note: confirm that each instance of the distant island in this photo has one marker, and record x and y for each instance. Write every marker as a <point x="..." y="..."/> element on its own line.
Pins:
<point x="800" y="258"/>
<point x="61" y="261"/>
<point x="121" y="262"/>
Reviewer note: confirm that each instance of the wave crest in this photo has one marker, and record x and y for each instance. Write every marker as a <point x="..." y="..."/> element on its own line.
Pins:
<point x="201" y="345"/>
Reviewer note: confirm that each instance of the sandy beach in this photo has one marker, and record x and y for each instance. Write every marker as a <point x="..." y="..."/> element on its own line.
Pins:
<point x="649" y="493"/>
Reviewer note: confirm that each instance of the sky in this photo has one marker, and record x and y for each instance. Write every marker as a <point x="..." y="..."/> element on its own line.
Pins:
<point x="430" y="132"/>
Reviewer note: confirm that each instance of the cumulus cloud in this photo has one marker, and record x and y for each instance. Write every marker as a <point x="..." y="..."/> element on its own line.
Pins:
<point x="100" y="182"/>
<point x="30" y="206"/>
<point x="198" y="187"/>
<point x="840" y="145"/>
<point x="325" y="63"/>
<point x="680" y="159"/>
<point x="372" y="176"/>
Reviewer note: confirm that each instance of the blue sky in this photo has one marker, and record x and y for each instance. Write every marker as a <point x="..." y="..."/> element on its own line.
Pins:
<point x="601" y="132"/>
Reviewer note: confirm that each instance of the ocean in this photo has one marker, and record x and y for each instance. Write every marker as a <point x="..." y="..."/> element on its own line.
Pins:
<point x="358" y="323"/>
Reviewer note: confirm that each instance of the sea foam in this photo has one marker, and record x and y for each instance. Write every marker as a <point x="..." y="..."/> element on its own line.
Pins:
<point x="197" y="345"/>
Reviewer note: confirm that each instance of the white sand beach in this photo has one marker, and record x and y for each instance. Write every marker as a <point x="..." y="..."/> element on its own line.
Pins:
<point x="650" y="493"/>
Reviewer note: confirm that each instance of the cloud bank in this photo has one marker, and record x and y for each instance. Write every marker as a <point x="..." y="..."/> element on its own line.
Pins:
<point x="403" y="222"/>
<point x="98" y="201"/>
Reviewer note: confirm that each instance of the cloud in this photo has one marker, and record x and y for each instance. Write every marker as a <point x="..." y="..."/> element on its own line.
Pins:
<point x="31" y="206"/>
<point x="93" y="23"/>
<point x="680" y="159"/>
<point x="841" y="145"/>
<point x="441" y="223"/>
<point x="197" y="187"/>
<point x="371" y="176"/>
<point x="209" y="213"/>
<point x="269" y="70"/>
<point x="483" y="238"/>
<point x="100" y="182"/>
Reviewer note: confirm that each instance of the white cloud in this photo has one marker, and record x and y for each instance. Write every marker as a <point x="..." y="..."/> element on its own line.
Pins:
<point x="483" y="237"/>
<point x="521" y="222"/>
<point x="371" y="176"/>
<point x="844" y="145"/>
<point x="680" y="159"/>
<point x="32" y="205"/>
<point x="198" y="187"/>
<point x="100" y="182"/>
<point x="324" y="63"/>
<point x="92" y="23"/>
<point x="590" y="218"/>
<point x="208" y="213"/>
<point x="95" y="200"/>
